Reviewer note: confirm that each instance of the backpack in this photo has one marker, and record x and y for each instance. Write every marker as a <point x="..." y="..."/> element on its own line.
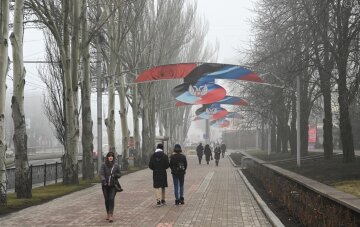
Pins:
<point x="180" y="169"/>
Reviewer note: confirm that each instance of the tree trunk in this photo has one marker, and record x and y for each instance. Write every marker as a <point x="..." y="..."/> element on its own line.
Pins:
<point x="135" y="109"/>
<point x="123" y="119"/>
<point x="110" y="120"/>
<point x="345" y="124"/>
<point x="327" y="121"/>
<point x="4" y="32"/>
<point x="292" y="137"/>
<point x="325" y="67"/>
<point x="146" y="145"/>
<point x="69" y="160"/>
<point x="87" y="123"/>
<point x="23" y="184"/>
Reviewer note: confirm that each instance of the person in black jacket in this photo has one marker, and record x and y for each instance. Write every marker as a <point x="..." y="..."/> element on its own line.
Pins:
<point x="178" y="166"/>
<point x="200" y="152"/>
<point x="217" y="152"/>
<point x="109" y="171"/>
<point x="223" y="149"/>
<point x="159" y="162"/>
<point x="208" y="153"/>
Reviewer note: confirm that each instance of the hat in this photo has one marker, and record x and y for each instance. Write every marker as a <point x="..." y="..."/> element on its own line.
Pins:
<point x="110" y="153"/>
<point x="160" y="146"/>
<point x="177" y="148"/>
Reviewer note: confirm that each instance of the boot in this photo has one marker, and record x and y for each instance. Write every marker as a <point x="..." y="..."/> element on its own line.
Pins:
<point x="182" y="201"/>
<point x="110" y="217"/>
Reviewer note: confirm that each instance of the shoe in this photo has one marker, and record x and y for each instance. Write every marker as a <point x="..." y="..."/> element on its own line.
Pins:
<point x="177" y="202"/>
<point x="110" y="218"/>
<point x="163" y="202"/>
<point x="158" y="204"/>
<point x="107" y="218"/>
<point x="182" y="202"/>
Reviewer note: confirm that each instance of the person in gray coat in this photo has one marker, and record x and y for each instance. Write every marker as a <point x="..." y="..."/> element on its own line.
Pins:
<point x="159" y="162"/>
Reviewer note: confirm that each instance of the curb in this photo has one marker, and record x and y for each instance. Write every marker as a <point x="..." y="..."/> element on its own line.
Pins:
<point x="232" y="162"/>
<point x="274" y="220"/>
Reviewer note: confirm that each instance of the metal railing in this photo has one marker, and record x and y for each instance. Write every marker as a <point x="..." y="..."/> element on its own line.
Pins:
<point x="48" y="172"/>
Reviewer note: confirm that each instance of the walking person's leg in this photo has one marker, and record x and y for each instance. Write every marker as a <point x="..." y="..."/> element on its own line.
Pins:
<point x="181" y="182"/>
<point x="163" y="196"/>
<point x="158" y="196"/>
<point x="111" y="195"/>
<point x="176" y="189"/>
<point x="106" y="198"/>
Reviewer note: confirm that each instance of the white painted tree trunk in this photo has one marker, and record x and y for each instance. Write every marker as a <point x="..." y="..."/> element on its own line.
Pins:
<point x="4" y="32"/>
<point x="23" y="184"/>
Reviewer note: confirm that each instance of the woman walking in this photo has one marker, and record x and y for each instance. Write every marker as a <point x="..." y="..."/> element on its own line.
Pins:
<point x="200" y="152"/>
<point x="159" y="162"/>
<point x="109" y="173"/>
<point x="217" y="152"/>
<point x="178" y="166"/>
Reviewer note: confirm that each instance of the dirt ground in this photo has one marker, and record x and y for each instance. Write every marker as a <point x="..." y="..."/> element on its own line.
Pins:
<point x="315" y="167"/>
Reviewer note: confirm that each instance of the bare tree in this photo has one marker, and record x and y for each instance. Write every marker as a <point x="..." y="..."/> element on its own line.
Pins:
<point x="58" y="18"/>
<point x="23" y="184"/>
<point x="53" y="78"/>
<point x="4" y="21"/>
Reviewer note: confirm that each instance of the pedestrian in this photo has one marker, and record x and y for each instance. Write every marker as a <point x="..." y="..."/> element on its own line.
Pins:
<point x="223" y="149"/>
<point x="109" y="173"/>
<point x="217" y="152"/>
<point x="208" y="153"/>
<point x="159" y="162"/>
<point x="178" y="166"/>
<point x="200" y="152"/>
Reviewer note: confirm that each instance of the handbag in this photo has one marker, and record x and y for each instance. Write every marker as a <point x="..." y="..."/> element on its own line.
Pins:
<point x="116" y="182"/>
<point x="117" y="185"/>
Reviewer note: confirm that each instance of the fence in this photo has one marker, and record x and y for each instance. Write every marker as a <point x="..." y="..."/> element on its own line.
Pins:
<point x="46" y="173"/>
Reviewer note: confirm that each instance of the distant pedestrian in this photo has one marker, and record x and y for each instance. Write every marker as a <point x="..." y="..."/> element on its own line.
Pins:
<point x="208" y="153"/>
<point x="200" y="152"/>
<point x="223" y="149"/>
<point x="109" y="173"/>
<point x="178" y="166"/>
<point x="217" y="152"/>
<point x="159" y="162"/>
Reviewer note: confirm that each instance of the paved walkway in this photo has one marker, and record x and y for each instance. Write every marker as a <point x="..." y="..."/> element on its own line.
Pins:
<point x="214" y="196"/>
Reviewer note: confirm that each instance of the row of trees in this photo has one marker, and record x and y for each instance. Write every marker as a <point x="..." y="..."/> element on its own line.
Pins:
<point x="318" y="42"/>
<point x="89" y="43"/>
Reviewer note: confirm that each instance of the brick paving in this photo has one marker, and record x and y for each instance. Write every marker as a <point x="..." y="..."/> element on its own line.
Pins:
<point x="214" y="196"/>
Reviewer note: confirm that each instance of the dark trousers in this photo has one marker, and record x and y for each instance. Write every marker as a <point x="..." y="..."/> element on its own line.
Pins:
<point x="178" y="186"/>
<point x="109" y="196"/>
<point x="200" y="158"/>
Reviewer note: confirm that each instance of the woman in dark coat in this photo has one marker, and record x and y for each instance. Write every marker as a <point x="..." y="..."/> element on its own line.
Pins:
<point x="108" y="172"/>
<point x="199" y="152"/>
<point x="159" y="162"/>
<point x="178" y="166"/>
<point x="217" y="152"/>
<point x="208" y="154"/>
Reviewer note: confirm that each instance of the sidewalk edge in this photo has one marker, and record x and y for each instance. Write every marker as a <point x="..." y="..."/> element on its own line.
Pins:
<point x="274" y="220"/>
